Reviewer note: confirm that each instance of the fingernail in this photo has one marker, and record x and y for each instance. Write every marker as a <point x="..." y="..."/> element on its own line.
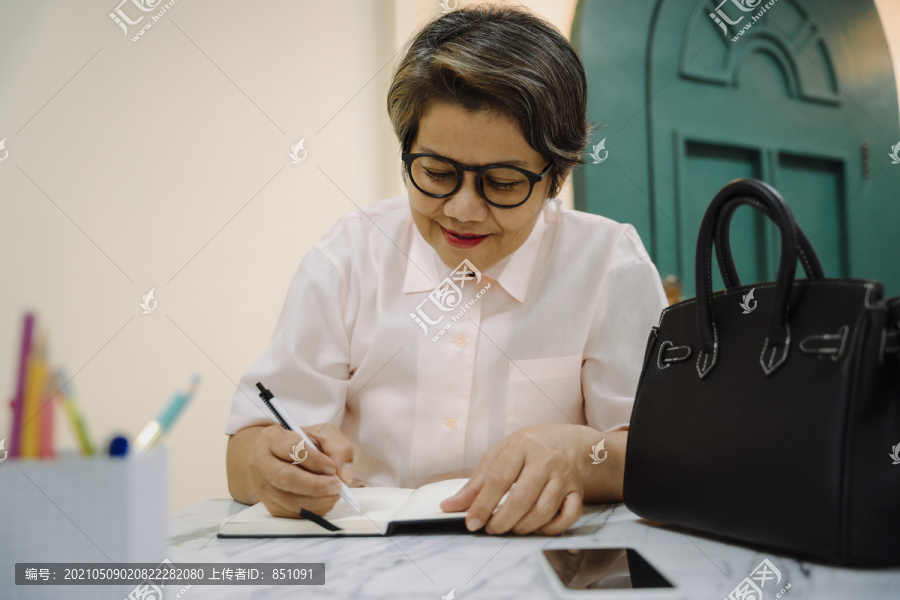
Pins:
<point x="347" y="472"/>
<point x="329" y="470"/>
<point x="473" y="524"/>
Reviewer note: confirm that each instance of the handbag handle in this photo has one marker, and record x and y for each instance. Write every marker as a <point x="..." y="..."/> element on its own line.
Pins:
<point x="751" y="192"/>
<point x="722" y="244"/>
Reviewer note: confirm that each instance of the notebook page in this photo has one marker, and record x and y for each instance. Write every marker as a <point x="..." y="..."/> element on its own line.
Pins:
<point x="425" y="502"/>
<point x="378" y="504"/>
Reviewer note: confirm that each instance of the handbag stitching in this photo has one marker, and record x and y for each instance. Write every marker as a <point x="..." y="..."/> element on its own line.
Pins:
<point x="701" y="356"/>
<point x="704" y="356"/>
<point x="768" y="370"/>
<point x="663" y="349"/>
<point x="834" y="353"/>
<point x="866" y="301"/>
<point x="679" y="358"/>
<point x="787" y="307"/>
<point x="725" y="279"/>
<point x="868" y="304"/>
<point x="712" y="317"/>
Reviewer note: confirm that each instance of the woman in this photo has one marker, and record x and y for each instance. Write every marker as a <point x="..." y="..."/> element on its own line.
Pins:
<point x="475" y="328"/>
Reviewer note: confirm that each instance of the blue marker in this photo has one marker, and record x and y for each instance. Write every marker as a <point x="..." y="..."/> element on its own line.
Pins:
<point x="157" y="428"/>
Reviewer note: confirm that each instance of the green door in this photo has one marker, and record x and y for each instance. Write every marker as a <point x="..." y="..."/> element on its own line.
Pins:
<point x="804" y="99"/>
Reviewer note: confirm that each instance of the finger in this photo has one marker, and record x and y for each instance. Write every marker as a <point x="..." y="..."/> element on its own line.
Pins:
<point x="275" y="508"/>
<point x="568" y="514"/>
<point x="544" y="508"/>
<point x="290" y="447"/>
<point x="335" y="444"/>
<point x="497" y="481"/>
<point x="295" y="480"/>
<point x="281" y="504"/>
<point x="522" y="497"/>
<point x="462" y="499"/>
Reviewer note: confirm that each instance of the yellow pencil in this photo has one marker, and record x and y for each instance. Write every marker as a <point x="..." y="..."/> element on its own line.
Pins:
<point x="34" y="394"/>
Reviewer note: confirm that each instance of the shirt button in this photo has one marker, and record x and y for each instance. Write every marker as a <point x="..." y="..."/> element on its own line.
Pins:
<point x="450" y="424"/>
<point x="460" y="341"/>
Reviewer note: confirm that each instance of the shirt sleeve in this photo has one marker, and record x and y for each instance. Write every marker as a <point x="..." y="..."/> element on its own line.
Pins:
<point x="306" y="365"/>
<point x="630" y="304"/>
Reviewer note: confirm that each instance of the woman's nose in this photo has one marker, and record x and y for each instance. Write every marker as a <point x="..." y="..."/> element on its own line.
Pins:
<point x="466" y="204"/>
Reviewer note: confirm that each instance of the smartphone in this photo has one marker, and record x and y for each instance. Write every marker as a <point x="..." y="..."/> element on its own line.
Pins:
<point x="609" y="573"/>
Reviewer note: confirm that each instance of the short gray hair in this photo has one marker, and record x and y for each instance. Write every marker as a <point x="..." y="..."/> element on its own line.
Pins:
<point x="503" y="59"/>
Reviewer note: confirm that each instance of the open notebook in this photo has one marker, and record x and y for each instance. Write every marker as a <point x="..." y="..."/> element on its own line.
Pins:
<point x="385" y="509"/>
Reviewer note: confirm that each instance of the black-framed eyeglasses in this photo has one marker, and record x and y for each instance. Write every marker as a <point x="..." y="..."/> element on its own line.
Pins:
<point x="503" y="186"/>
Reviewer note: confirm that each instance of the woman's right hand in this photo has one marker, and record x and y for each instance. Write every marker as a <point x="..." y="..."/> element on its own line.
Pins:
<point x="285" y="488"/>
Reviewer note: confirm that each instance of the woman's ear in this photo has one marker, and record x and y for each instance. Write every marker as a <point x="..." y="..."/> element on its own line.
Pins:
<point x="560" y="183"/>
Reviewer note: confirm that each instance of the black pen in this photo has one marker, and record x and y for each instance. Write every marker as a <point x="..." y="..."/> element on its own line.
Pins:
<point x="282" y="416"/>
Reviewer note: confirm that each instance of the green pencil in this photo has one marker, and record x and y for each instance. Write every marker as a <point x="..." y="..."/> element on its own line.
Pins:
<point x="76" y="417"/>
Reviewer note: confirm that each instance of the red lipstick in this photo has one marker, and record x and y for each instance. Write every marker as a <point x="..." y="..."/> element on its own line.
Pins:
<point x="461" y="240"/>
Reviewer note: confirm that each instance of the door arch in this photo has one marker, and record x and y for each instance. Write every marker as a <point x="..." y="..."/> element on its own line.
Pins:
<point x="803" y="99"/>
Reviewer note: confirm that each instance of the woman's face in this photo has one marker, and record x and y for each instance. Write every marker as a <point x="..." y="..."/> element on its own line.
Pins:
<point x="474" y="139"/>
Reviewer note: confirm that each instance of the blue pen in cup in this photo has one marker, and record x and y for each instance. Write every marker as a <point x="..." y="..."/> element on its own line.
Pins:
<point x="118" y="447"/>
<point x="154" y="431"/>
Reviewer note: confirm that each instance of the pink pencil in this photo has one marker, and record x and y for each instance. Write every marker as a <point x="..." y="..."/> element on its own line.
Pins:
<point x="18" y="399"/>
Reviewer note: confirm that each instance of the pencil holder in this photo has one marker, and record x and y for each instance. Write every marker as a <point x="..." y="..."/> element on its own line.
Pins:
<point x="81" y="509"/>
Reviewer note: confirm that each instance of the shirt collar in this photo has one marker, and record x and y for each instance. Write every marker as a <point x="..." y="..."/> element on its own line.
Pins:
<point x="425" y="270"/>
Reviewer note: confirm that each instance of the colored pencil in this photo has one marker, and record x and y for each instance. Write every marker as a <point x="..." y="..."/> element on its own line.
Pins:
<point x="15" y="447"/>
<point x="46" y="416"/>
<point x="34" y="393"/>
<point x="76" y="417"/>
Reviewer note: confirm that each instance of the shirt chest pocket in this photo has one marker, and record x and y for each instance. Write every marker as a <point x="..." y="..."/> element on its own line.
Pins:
<point x="544" y="390"/>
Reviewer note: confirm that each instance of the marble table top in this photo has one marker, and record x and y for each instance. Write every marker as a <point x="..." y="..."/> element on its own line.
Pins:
<point x="479" y="566"/>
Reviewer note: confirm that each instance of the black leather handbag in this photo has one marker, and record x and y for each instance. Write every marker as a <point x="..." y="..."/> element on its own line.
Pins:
<point x="769" y="413"/>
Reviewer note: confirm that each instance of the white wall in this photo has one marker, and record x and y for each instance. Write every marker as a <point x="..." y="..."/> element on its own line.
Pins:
<point x="164" y="163"/>
<point x="889" y="12"/>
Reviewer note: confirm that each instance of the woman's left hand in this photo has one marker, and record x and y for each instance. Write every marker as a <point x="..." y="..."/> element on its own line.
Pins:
<point x="551" y="469"/>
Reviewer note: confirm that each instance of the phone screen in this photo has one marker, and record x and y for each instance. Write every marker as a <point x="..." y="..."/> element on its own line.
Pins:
<point x="604" y="569"/>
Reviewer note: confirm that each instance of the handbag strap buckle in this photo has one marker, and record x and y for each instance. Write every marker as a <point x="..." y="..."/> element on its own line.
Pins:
<point x="830" y="345"/>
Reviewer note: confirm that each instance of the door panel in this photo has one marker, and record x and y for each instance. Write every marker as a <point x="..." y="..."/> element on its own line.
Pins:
<point x="816" y="189"/>
<point x="706" y="167"/>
